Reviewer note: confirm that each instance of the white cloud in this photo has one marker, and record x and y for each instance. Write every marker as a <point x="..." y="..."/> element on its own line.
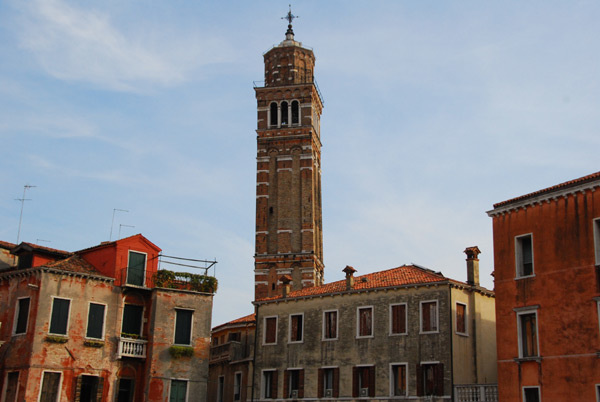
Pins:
<point x="84" y="45"/>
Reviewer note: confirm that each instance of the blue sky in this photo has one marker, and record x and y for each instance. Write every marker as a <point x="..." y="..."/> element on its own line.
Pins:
<point x="433" y="112"/>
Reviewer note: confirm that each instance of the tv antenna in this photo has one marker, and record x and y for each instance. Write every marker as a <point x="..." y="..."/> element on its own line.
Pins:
<point x="124" y="226"/>
<point x="113" y="221"/>
<point x="25" y="188"/>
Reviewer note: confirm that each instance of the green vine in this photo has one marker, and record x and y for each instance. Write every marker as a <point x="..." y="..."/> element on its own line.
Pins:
<point x="93" y="344"/>
<point x="130" y="336"/>
<point x="56" y="339"/>
<point x="181" y="351"/>
<point x="185" y="280"/>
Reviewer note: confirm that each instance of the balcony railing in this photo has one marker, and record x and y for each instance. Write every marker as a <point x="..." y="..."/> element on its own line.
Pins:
<point x="230" y="351"/>
<point x="132" y="348"/>
<point x="476" y="393"/>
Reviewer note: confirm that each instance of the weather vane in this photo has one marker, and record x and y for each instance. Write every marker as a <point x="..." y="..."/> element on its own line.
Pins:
<point x="290" y="17"/>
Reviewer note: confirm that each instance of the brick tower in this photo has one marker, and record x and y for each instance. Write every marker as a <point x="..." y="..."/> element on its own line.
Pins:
<point x="289" y="238"/>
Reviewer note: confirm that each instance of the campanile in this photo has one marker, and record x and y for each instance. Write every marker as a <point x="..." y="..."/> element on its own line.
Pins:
<point x="289" y="238"/>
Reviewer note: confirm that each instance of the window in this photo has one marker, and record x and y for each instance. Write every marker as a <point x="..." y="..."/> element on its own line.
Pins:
<point x="178" y="392"/>
<point x="597" y="392"/>
<point x="269" y="384"/>
<point x="295" y="112"/>
<point x="273" y="112"/>
<point x="398" y="381"/>
<point x="237" y="386"/>
<point x="284" y="113"/>
<point x="50" y="386"/>
<point x="596" y="223"/>
<point x="89" y="388"/>
<point x="296" y="327"/>
<point x="59" y="319"/>
<point x="95" y="324"/>
<point x="531" y="394"/>
<point x="398" y="319"/>
<point x="429" y="316"/>
<point x="132" y="320"/>
<point x="270" y="335"/>
<point x="183" y="327"/>
<point x="136" y="268"/>
<point x="363" y="381"/>
<point x="12" y="387"/>
<point x="234" y="337"/>
<point x="524" y="255"/>
<point x="330" y="325"/>
<point x="528" y="339"/>
<point x="430" y="379"/>
<point x="365" y="322"/>
<point x="328" y="381"/>
<point x="294" y="383"/>
<point x="220" y="388"/>
<point x="461" y="318"/>
<point x="21" y="316"/>
<point x="125" y="390"/>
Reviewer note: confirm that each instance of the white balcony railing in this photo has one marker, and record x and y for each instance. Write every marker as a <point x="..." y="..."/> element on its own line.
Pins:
<point x="132" y="348"/>
<point x="476" y="393"/>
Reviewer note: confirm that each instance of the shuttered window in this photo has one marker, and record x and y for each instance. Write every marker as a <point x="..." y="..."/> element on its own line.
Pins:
<point x="399" y="380"/>
<point x="461" y="316"/>
<point x="365" y="321"/>
<point x="270" y="330"/>
<point x="328" y="382"/>
<point x="95" y="325"/>
<point x="50" y="387"/>
<point x="363" y="381"/>
<point x="293" y="383"/>
<point x="89" y="388"/>
<point x="22" y="316"/>
<point x="183" y="327"/>
<point x="296" y="328"/>
<point x="429" y="316"/>
<point x="132" y="319"/>
<point x="398" y="319"/>
<point x="60" y="316"/>
<point x="330" y="325"/>
<point x="136" y="268"/>
<point x="125" y="390"/>
<point x="430" y="379"/>
<point x="269" y="384"/>
<point x="12" y="387"/>
<point x="178" y="391"/>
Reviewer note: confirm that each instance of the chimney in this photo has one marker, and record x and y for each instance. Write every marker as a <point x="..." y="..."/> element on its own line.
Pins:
<point x="285" y="280"/>
<point x="472" y="265"/>
<point x="349" y="277"/>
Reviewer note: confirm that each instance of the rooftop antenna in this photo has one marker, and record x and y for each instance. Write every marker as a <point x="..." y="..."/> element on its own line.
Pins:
<point x="113" y="221"/>
<point x="25" y="188"/>
<point x="37" y="241"/>
<point x="126" y="226"/>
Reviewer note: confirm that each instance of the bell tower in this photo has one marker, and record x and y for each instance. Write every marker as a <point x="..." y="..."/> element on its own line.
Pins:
<point x="289" y="238"/>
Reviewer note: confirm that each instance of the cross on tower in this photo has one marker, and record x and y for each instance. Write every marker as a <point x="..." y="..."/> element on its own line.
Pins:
<point x="290" y="17"/>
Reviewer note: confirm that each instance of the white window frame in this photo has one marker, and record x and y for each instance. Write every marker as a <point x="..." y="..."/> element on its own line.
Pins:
<point x="337" y="325"/>
<point x="290" y="328"/>
<point x="527" y="311"/>
<point x="103" y="320"/>
<point x="187" y="388"/>
<point x="145" y="266"/>
<point x="6" y="383"/>
<point x="405" y="319"/>
<point x="519" y="257"/>
<point x="531" y="387"/>
<point x="68" y="316"/>
<point x="239" y="384"/>
<point x="59" y="383"/>
<point x="358" y="336"/>
<point x="191" y="326"/>
<point x="332" y="377"/>
<point x="392" y="378"/>
<point x="263" y="389"/>
<point x="142" y="324"/>
<point x="596" y="225"/>
<point x="359" y="366"/>
<point x="466" y="333"/>
<point x="437" y="316"/>
<point x="16" y="316"/>
<point x="264" y="334"/>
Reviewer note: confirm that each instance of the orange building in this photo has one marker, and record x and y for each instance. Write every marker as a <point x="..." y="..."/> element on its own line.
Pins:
<point x="101" y="324"/>
<point x="547" y="284"/>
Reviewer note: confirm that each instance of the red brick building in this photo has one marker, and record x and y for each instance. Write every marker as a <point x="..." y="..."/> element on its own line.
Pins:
<point x="547" y="284"/>
<point x="101" y="324"/>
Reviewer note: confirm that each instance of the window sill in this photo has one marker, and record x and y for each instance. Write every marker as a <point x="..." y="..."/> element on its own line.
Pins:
<point x="56" y="339"/>
<point x="329" y="339"/>
<point x="463" y="334"/>
<point x="365" y="337"/>
<point x="399" y="334"/>
<point x="524" y="277"/>
<point x="93" y="343"/>
<point x="428" y="332"/>
<point x="295" y="342"/>
<point x="528" y="359"/>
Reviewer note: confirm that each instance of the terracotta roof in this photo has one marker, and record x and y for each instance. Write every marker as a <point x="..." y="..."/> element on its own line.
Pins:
<point x="112" y="243"/>
<point x="42" y="249"/>
<point x="249" y="319"/>
<point x="5" y="244"/>
<point x="567" y="184"/>
<point x="74" y="264"/>
<point x="404" y="275"/>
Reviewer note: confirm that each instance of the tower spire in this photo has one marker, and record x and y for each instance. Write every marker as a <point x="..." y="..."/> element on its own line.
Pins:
<point x="289" y="34"/>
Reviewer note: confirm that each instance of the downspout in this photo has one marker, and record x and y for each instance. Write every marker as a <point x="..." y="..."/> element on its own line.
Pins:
<point x="254" y="351"/>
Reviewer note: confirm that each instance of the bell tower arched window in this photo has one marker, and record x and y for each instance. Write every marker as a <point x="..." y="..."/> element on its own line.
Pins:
<point x="284" y="113"/>
<point x="273" y="112"/>
<point x="295" y="112"/>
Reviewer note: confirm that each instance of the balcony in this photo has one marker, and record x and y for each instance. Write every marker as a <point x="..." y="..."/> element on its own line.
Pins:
<point x="132" y="348"/>
<point x="230" y="351"/>
<point x="168" y="279"/>
<point x="476" y="393"/>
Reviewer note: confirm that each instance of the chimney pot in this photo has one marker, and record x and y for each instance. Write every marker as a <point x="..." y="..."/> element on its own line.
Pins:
<point x="349" y="271"/>
<point x="472" y="265"/>
<point x="285" y="280"/>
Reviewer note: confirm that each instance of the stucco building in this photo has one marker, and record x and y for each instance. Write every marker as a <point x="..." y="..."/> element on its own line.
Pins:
<point x="101" y="324"/>
<point x="547" y="283"/>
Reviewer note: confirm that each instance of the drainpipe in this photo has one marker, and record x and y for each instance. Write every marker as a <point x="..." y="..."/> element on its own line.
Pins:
<point x="254" y="352"/>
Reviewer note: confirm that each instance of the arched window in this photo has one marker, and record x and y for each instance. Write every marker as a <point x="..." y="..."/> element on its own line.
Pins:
<point x="295" y="112"/>
<point x="273" y="120"/>
<point x="284" y="113"/>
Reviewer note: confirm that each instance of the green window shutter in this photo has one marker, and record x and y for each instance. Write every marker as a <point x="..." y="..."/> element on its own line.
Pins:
<point x="95" y="321"/>
<point x="178" y="391"/>
<point x="60" y="316"/>
<point x="136" y="268"/>
<point x="23" y="316"/>
<point x="132" y="319"/>
<point x="183" y="327"/>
